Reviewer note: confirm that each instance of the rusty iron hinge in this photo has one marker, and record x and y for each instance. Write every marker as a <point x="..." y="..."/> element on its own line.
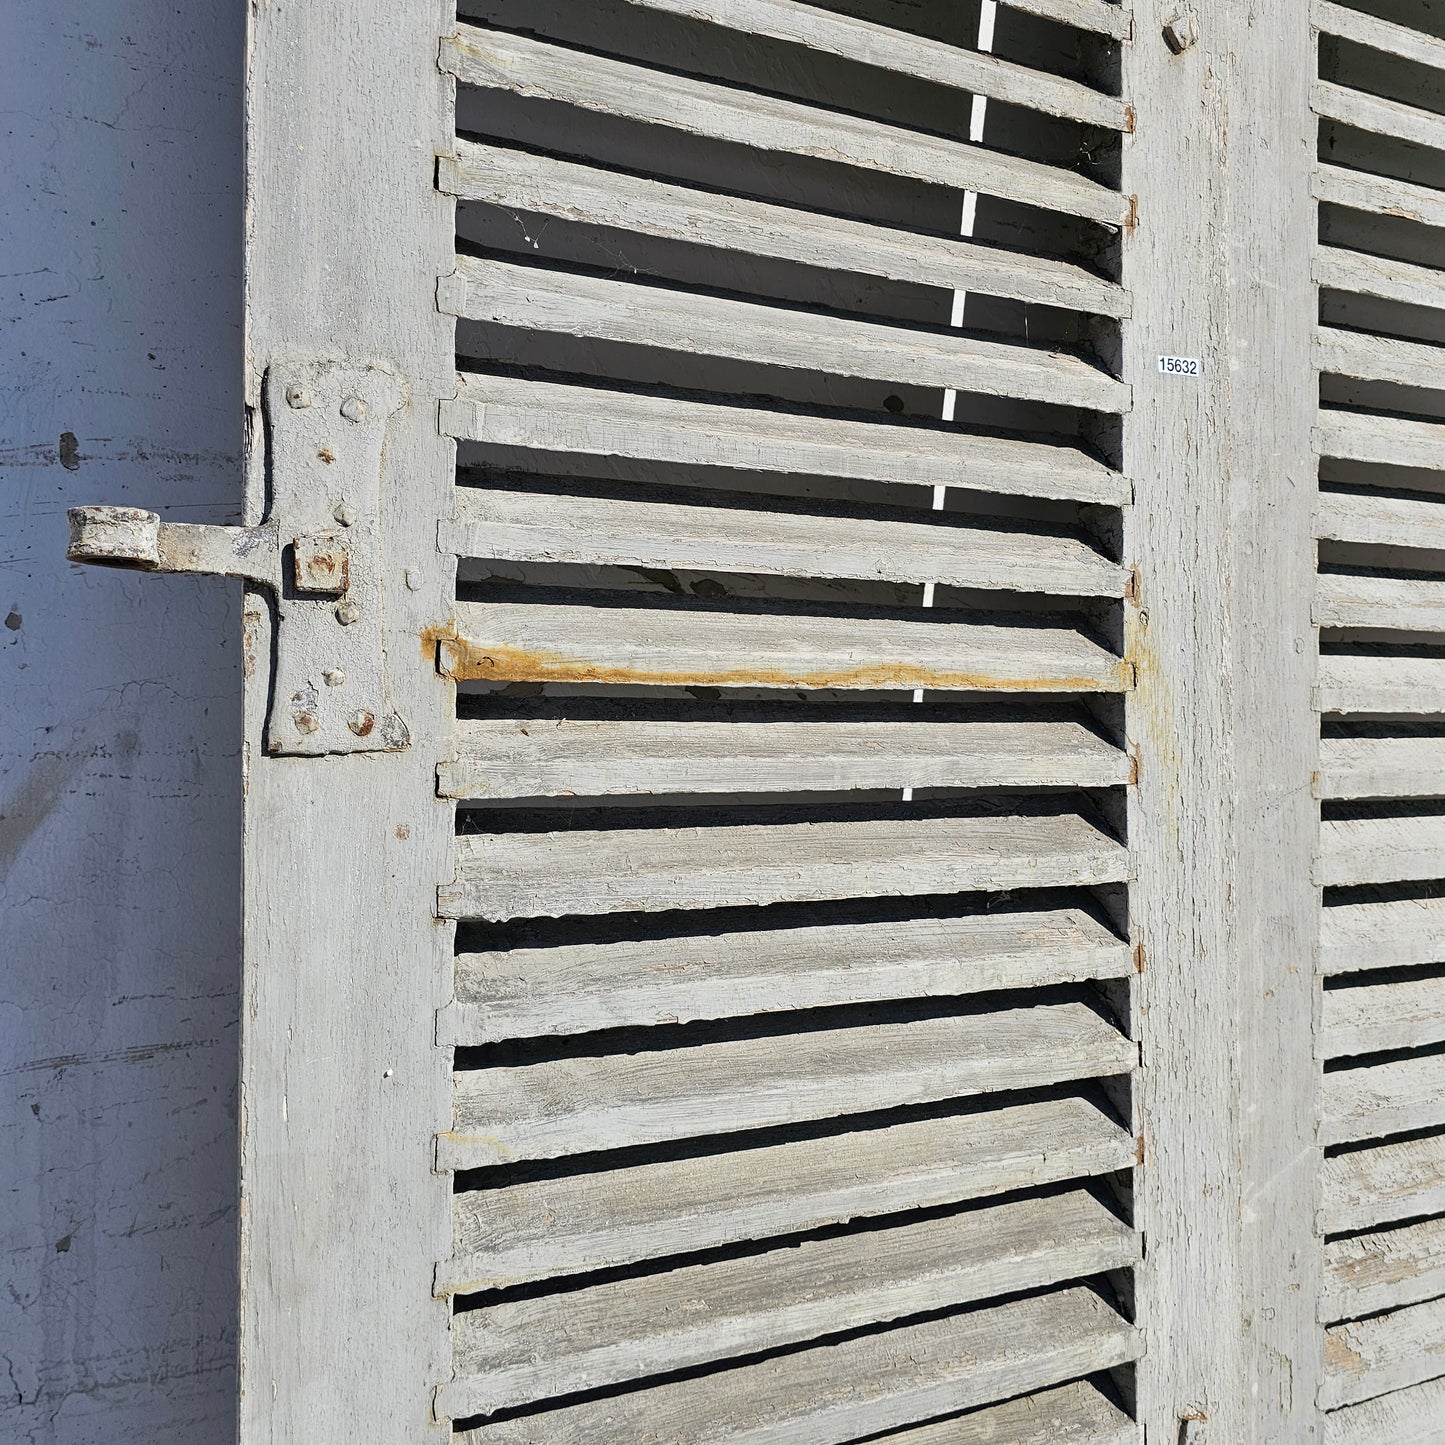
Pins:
<point x="318" y="553"/>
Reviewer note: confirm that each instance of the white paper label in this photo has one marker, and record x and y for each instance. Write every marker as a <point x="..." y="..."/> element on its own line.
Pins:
<point x="1181" y="366"/>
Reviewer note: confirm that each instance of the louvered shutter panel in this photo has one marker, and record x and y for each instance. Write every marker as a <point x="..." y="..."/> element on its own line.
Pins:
<point x="785" y="874"/>
<point x="791" y="1024"/>
<point x="1381" y="442"/>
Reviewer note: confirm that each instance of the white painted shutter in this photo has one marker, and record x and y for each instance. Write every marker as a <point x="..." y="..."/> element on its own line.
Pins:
<point x="787" y="1109"/>
<point x="1381" y="610"/>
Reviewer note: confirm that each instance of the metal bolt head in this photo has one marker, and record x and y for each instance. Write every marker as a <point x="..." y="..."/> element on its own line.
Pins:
<point x="333" y="677"/>
<point x="306" y="722"/>
<point x="354" y="409"/>
<point x="1181" y="32"/>
<point x="344" y="513"/>
<point x="361" y="723"/>
<point x="348" y="611"/>
<point x="299" y="397"/>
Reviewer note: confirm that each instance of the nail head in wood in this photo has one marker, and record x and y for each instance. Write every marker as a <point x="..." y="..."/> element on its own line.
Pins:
<point x="1181" y="32"/>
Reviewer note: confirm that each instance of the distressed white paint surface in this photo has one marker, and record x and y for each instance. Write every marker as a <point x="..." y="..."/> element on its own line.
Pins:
<point x="546" y="1228"/>
<point x="119" y="726"/>
<point x="1366" y="1187"/>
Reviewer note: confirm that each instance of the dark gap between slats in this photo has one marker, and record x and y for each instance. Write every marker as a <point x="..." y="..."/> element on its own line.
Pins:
<point x="1383" y="892"/>
<point x="1375" y="1060"/>
<point x="740" y="1142"/>
<point x="1356" y="1146"/>
<point x="1381" y="155"/>
<point x="1374" y="977"/>
<point x="1378" y="73"/>
<point x="1334" y="810"/>
<point x="878" y="1227"/>
<point x="1099" y="1284"/>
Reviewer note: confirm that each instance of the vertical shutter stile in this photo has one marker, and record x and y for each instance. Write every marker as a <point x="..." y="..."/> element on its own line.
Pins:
<point x="788" y="1106"/>
<point x="1380" y="185"/>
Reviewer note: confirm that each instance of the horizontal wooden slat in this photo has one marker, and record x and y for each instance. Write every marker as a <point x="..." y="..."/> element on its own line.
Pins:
<point x="514" y="412"/>
<point x="602" y="531"/>
<point x="762" y="122"/>
<point x="1409" y="604"/>
<point x="1408" y="1417"/>
<point x="558" y="757"/>
<point x="837" y="1393"/>
<point x="1381" y="276"/>
<point x="1376" y="1100"/>
<point x="1379" y="520"/>
<point x="578" y="1105"/>
<point x="1381" y="850"/>
<point x="1379" y="358"/>
<point x="540" y="642"/>
<point x="601" y="308"/>
<point x="1379" y="195"/>
<point x="1366" y="1274"/>
<point x="905" y="53"/>
<point x="1358" y="436"/>
<point x="1369" y="1187"/>
<point x="1382" y="767"/>
<point x="587" y="195"/>
<point x="528" y="992"/>
<point x="1351" y="684"/>
<point x="1075" y="1414"/>
<point x="1386" y="1352"/>
<point x="584" y="1222"/>
<point x="1397" y="934"/>
<point x="1377" y="34"/>
<point x="541" y="1348"/>
<point x="1377" y="1018"/>
<point x="1103" y="17"/>
<point x="1377" y="115"/>
<point x="530" y="875"/>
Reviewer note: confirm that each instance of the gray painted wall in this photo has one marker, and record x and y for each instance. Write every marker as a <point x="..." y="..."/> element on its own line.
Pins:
<point x="120" y="322"/>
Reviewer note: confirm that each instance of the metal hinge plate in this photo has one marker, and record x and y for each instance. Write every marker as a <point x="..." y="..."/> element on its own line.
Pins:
<point x="318" y="554"/>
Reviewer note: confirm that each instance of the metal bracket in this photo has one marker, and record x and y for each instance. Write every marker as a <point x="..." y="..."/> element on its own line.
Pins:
<point x="318" y="552"/>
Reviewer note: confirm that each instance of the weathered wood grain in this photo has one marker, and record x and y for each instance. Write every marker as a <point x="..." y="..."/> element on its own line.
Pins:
<point x="1376" y="1018"/>
<point x="1382" y="276"/>
<point x="1382" y="117"/>
<point x="1387" y="1352"/>
<point x="1074" y="1414"/>
<point x="1381" y="850"/>
<point x="589" y="195"/>
<point x="602" y="308"/>
<point x="1407" y="604"/>
<point x="529" y="875"/>
<point x="1364" y="684"/>
<point x="529" y="992"/>
<point x="1397" y="934"/>
<point x="1400" y="767"/>
<point x="1366" y="1274"/>
<point x="1379" y="520"/>
<point x="692" y="647"/>
<point x="342" y="1085"/>
<point x="836" y="1393"/>
<point x="1379" y="195"/>
<point x="1415" y="1416"/>
<point x="1376" y="1100"/>
<point x="1369" y="1187"/>
<point x="763" y="122"/>
<point x="543" y="1229"/>
<point x="911" y="55"/>
<point x="1402" y="40"/>
<point x="557" y="757"/>
<point x="1380" y="358"/>
<point x="509" y="411"/>
<point x="523" y="526"/>
<point x="1358" y="436"/>
<point x="509" y="1353"/>
<point x="580" y="1105"/>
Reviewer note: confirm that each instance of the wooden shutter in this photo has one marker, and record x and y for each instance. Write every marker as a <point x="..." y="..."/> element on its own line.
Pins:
<point x="1381" y="441"/>
<point x="792" y="1023"/>
<point x="779" y="898"/>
